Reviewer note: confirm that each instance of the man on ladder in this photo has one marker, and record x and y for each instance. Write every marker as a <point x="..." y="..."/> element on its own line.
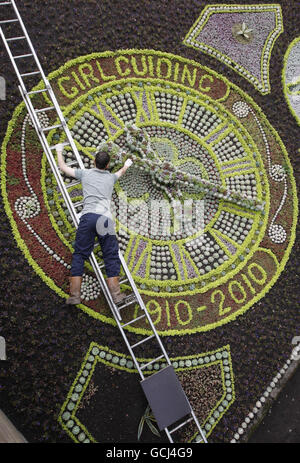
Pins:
<point x="95" y="220"/>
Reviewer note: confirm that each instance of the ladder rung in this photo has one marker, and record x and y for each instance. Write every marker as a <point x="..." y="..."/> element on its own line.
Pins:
<point x="22" y="56"/>
<point x="127" y="304"/>
<point x="66" y="143"/>
<point x="152" y="361"/>
<point x="78" y="182"/>
<point x="123" y="281"/>
<point x="37" y="91"/>
<point x="11" y="39"/>
<point x="9" y="21"/>
<point x="5" y="3"/>
<point x="69" y="185"/>
<point x="69" y="164"/>
<point x="180" y="425"/>
<point x="44" y="109"/>
<point x="199" y="441"/>
<point x="44" y="129"/>
<point x="30" y="73"/>
<point x="143" y="340"/>
<point x="134" y="320"/>
<point x="78" y="204"/>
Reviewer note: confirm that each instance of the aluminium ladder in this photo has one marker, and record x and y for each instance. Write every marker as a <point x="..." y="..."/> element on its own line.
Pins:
<point x="163" y="390"/>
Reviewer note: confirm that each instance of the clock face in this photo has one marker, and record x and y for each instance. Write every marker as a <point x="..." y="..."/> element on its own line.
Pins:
<point x="173" y="245"/>
<point x="198" y="259"/>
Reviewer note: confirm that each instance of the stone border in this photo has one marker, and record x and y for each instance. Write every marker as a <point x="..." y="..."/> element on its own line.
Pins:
<point x="257" y="414"/>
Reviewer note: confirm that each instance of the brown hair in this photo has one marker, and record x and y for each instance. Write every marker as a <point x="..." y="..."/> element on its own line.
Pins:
<point x="102" y="158"/>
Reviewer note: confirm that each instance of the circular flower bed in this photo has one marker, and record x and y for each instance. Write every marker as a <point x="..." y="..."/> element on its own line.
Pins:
<point x="197" y="214"/>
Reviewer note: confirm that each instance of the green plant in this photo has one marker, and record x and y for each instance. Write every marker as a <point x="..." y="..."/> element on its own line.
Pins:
<point x="147" y="418"/>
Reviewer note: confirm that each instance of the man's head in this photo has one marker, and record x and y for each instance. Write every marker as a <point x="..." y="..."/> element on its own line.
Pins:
<point x="102" y="159"/>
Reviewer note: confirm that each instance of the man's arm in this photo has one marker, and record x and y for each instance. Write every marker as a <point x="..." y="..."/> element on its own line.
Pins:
<point x="61" y="163"/>
<point x="124" y="168"/>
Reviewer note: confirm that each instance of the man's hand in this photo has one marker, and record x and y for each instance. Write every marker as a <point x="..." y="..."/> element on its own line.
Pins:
<point x="128" y="163"/>
<point x="61" y="163"/>
<point x="126" y="166"/>
<point x="59" y="147"/>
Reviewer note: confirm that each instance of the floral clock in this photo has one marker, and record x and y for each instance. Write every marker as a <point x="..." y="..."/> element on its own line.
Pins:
<point x="205" y="216"/>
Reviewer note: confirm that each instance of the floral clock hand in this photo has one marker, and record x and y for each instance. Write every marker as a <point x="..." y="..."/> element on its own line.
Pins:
<point x="171" y="180"/>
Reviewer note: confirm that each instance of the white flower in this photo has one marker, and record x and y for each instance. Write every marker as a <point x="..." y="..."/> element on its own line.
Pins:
<point x="244" y="31"/>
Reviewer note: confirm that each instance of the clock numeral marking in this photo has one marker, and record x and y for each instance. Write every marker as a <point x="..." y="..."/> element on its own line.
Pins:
<point x="133" y="259"/>
<point x="216" y="134"/>
<point x="237" y="170"/>
<point x="234" y="209"/>
<point x="144" y="255"/>
<point x="147" y="111"/>
<point x="129" y="250"/>
<point x="226" y="245"/>
<point x="182" y="111"/>
<point x="237" y="165"/>
<point x="220" y="135"/>
<point x="146" y="107"/>
<point x="186" y="256"/>
<point x="106" y="114"/>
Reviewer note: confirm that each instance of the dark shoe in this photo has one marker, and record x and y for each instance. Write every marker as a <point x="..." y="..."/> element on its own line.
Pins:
<point x="75" y="288"/>
<point x="114" y="288"/>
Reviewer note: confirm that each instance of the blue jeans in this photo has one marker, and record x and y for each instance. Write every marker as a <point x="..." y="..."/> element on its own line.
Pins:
<point x="87" y="230"/>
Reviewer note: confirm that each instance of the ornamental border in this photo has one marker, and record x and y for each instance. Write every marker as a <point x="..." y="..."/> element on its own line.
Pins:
<point x="21" y="244"/>
<point x="283" y="79"/>
<point x="270" y="394"/>
<point x="263" y="87"/>
<point x="114" y="359"/>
